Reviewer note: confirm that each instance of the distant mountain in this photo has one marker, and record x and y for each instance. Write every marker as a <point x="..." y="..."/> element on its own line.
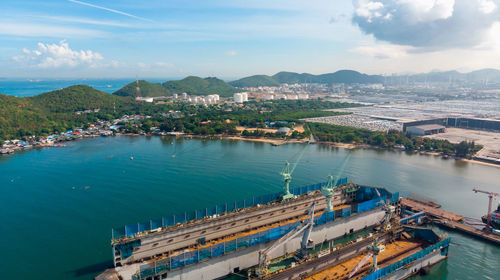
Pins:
<point x="255" y="81"/>
<point x="292" y="77"/>
<point x="492" y="75"/>
<point x="147" y="89"/>
<point x="478" y="76"/>
<point x="199" y="86"/>
<point x="73" y="98"/>
<point x="342" y="76"/>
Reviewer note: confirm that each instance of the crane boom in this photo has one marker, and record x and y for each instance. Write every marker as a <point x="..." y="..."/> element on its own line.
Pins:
<point x="264" y="254"/>
<point x="486" y="192"/>
<point x="490" y="196"/>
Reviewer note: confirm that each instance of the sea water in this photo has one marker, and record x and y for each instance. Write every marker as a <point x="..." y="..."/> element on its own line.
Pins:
<point x="58" y="205"/>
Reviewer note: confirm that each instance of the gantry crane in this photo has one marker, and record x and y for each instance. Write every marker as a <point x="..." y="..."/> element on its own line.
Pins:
<point x="490" y="196"/>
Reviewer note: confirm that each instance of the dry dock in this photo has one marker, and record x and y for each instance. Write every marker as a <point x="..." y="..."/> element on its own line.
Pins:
<point x="449" y="220"/>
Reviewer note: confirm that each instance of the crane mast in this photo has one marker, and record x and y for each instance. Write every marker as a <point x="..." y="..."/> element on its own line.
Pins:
<point x="490" y="197"/>
<point x="286" y="173"/>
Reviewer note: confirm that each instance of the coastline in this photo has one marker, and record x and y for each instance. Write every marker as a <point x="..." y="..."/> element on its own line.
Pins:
<point x="274" y="142"/>
<point x="479" y="162"/>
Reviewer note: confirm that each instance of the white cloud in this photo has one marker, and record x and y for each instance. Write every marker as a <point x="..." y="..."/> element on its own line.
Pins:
<point x="57" y="56"/>
<point x="368" y="9"/>
<point x="427" y="10"/>
<point x="46" y="30"/>
<point x="427" y="24"/>
<point x="383" y="51"/>
<point x="231" y="53"/>
<point x="487" y="6"/>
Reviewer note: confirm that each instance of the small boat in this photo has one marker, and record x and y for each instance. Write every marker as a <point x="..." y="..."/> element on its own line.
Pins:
<point x="131" y="158"/>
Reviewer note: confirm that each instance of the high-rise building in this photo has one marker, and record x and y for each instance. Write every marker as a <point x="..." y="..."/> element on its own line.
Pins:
<point x="240" y="97"/>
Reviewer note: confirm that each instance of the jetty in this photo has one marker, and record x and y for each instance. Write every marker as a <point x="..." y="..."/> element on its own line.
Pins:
<point x="449" y="220"/>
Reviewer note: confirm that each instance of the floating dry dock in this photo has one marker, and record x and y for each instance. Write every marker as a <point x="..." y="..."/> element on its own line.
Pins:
<point x="218" y="241"/>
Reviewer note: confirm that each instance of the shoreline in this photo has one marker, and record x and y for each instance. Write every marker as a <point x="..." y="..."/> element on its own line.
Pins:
<point x="274" y="142"/>
<point x="476" y="161"/>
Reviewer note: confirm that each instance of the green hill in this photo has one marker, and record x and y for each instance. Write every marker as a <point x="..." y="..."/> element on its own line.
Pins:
<point x="199" y="86"/>
<point x="73" y="98"/>
<point x="342" y="76"/>
<point x="54" y="111"/>
<point x="147" y="89"/>
<point x="255" y="81"/>
<point x="19" y="117"/>
<point x="293" y="78"/>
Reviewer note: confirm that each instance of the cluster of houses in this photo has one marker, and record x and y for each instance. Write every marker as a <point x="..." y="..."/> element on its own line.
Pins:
<point x="100" y="128"/>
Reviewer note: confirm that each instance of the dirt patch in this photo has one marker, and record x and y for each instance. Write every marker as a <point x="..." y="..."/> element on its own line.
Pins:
<point x="489" y="140"/>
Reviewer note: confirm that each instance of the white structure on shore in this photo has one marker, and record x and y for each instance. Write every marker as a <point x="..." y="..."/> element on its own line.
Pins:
<point x="144" y="99"/>
<point x="209" y="99"/>
<point x="291" y="96"/>
<point x="240" y="97"/>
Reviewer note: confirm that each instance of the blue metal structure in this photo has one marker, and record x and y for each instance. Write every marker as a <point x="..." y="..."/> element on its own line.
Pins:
<point x="133" y="229"/>
<point x="257" y="238"/>
<point x="378" y="274"/>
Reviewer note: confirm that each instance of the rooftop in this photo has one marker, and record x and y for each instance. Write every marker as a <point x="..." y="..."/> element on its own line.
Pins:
<point x="429" y="126"/>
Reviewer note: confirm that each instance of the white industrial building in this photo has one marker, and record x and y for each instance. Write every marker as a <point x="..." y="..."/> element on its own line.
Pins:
<point x="212" y="99"/>
<point x="240" y="97"/>
<point x="426" y="129"/>
<point x="144" y="99"/>
<point x="209" y="99"/>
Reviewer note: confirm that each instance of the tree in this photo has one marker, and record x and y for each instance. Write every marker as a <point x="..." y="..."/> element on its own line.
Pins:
<point x="464" y="148"/>
<point x="146" y="126"/>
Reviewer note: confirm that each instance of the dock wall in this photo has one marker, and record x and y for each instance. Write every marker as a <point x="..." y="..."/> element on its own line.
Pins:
<point x="217" y="267"/>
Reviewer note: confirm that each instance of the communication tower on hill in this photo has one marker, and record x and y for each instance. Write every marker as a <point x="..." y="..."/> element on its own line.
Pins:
<point x="137" y="90"/>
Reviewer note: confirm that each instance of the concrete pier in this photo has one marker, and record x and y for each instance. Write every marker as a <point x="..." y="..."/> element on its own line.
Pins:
<point x="449" y="220"/>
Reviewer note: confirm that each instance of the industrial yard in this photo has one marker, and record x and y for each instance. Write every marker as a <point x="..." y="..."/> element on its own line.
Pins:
<point x="462" y="114"/>
<point x="489" y="140"/>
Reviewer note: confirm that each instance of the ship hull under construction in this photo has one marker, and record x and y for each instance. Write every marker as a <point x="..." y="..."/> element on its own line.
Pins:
<point x="239" y="260"/>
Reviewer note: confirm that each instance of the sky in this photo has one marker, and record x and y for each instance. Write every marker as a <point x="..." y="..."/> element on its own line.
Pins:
<point x="232" y="39"/>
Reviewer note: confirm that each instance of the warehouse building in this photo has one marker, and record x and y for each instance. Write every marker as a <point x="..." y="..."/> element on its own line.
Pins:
<point x="425" y="129"/>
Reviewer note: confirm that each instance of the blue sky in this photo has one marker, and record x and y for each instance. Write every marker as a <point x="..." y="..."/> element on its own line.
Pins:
<point x="230" y="39"/>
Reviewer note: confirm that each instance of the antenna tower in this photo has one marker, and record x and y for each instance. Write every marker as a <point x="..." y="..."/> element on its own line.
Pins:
<point x="137" y="90"/>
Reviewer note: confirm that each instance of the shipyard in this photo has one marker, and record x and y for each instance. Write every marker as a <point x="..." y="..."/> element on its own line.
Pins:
<point x="250" y="140"/>
<point x="335" y="228"/>
<point x="330" y="230"/>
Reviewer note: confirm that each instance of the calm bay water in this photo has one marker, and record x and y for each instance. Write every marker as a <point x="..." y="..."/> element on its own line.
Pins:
<point x="58" y="205"/>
